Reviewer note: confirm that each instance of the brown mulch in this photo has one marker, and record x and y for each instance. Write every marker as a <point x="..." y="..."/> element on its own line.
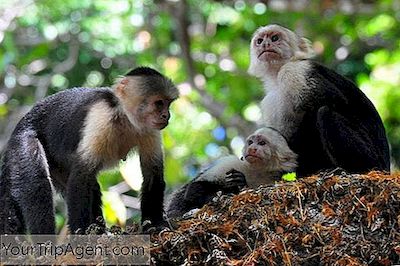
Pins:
<point x="329" y="219"/>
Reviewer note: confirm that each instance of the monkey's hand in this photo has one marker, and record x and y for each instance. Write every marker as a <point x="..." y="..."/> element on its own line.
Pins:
<point x="234" y="181"/>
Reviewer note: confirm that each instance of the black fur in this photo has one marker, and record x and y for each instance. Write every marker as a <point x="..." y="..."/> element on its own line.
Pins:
<point x="191" y="196"/>
<point x="156" y="85"/>
<point x="152" y="192"/>
<point x="197" y="193"/>
<point x="53" y="125"/>
<point x="144" y="71"/>
<point x="340" y="128"/>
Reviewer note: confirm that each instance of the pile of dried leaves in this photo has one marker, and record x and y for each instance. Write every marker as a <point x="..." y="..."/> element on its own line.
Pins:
<point x="331" y="219"/>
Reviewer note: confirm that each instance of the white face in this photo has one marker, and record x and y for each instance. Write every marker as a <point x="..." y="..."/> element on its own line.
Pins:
<point x="267" y="149"/>
<point x="273" y="46"/>
<point x="151" y="113"/>
<point x="155" y="113"/>
<point x="145" y="112"/>
<point x="270" y="48"/>
<point x="257" y="150"/>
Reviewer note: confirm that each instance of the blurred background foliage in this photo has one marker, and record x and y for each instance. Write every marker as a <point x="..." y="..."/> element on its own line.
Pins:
<point x="203" y="46"/>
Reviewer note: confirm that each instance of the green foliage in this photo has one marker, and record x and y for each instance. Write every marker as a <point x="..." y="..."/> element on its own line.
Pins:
<point x="289" y="177"/>
<point x="109" y="37"/>
<point x="109" y="178"/>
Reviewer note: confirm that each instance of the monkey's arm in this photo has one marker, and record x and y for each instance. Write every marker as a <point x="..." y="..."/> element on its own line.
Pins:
<point x="347" y="142"/>
<point x="191" y="196"/>
<point x="349" y="123"/>
<point x="152" y="165"/>
<point x="199" y="192"/>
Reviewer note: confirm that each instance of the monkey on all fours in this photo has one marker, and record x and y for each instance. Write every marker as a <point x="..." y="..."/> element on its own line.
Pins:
<point x="326" y="119"/>
<point x="67" y="138"/>
<point x="266" y="157"/>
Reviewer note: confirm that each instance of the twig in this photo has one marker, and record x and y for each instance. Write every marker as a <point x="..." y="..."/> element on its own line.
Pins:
<point x="216" y="109"/>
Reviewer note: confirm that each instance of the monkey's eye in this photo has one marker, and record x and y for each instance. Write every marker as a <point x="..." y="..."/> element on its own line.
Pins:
<point x="249" y="142"/>
<point x="274" y="38"/>
<point x="159" y="103"/>
<point x="262" y="143"/>
<point x="259" y="41"/>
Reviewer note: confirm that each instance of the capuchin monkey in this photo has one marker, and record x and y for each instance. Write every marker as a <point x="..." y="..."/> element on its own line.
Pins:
<point x="67" y="138"/>
<point x="326" y="119"/>
<point x="266" y="157"/>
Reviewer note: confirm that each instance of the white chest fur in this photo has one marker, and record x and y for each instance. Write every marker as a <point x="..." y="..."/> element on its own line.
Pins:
<point x="281" y="106"/>
<point x="103" y="140"/>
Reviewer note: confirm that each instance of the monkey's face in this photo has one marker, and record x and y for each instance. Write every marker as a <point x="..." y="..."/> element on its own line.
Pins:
<point x="271" y="44"/>
<point x="257" y="150"/>
<point x="266" y="148"/>
<point x="144" y="108"/>
<point x="155" y="113"/>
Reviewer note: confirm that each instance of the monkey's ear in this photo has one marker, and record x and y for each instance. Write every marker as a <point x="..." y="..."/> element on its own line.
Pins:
<point x="305" y="50"/>
<point x="120" y="86"/>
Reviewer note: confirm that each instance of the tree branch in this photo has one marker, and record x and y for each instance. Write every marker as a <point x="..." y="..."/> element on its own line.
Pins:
<point x="180" y="10"/>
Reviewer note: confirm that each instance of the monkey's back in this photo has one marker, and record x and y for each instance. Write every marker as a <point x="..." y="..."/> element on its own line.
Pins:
<point x="57" y="121"/>
<point x="331" y="92"/>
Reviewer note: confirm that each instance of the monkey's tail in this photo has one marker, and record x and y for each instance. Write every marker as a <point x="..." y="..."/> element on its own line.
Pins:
<point x="11" y="221"/>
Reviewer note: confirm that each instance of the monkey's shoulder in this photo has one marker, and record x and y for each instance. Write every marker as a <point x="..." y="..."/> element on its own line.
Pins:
<point x="294" y="73"/>
<point x="310" y="78"/>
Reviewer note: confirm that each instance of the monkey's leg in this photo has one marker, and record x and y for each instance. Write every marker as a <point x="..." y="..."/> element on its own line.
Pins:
<point x="347" y="143"/>
<point x="96" y="205"/>
<point x="11" y="220"/>
<point x="30" y="184"/>
<point x="153" y="186"/>
<point x="83" y="198"/>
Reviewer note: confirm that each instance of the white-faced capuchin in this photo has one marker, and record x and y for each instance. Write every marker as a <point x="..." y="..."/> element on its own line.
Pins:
<point x="327" y="120"/>
<point x="67" y="138"/>
<point x="266" y="157"/>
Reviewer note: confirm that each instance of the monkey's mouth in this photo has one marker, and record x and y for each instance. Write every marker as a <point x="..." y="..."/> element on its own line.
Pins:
<point x="267" y="51"/>
<point x="160" y="126"/>
<point x="252" y="158"/>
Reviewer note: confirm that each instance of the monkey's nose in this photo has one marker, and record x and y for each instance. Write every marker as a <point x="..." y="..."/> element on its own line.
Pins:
<point x="165" y="117"/>
<point x="252" y="151"/>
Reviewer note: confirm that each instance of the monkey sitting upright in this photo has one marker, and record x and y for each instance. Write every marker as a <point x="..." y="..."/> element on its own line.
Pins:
<point x="65" y="139"/>
<point x="327" y="120"/>
<point x="266" y="157"/>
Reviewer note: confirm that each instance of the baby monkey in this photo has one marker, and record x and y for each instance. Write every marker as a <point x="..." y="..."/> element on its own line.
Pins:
<point x="265" y="158"/>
